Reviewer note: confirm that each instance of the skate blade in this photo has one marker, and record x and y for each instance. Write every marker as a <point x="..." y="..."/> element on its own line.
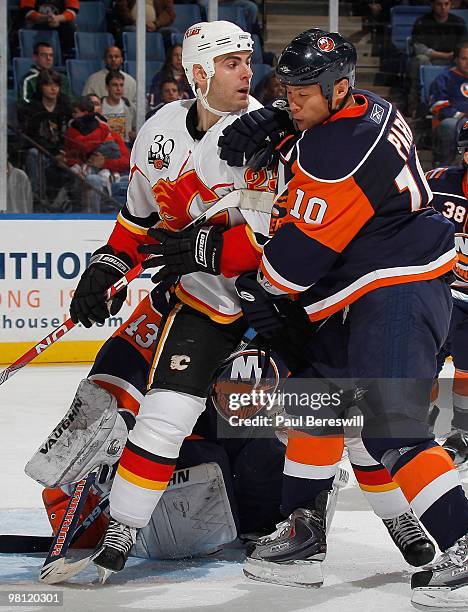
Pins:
<point x="440" y="598"/>
<point x="305" y="574"/>
<point x="103" y="573"/>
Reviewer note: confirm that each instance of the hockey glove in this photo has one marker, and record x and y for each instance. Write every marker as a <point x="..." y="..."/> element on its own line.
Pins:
<point x="89" y="304"/>
<point x="254" y="131"/>
<point x="282" y="323"/>
<point x="193" y="250"/>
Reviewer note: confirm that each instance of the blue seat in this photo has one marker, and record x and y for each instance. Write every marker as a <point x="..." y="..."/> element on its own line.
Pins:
<point x="28" y="38"/>
<point x="402" y="20"/>
<point x="151" y="69"/>
<point x="463" y="13"/>
<point x="257" y="55"/>
<point x="426" y="75"/>
<point x="234" y="14"/>
<point x="91" y="17"/>
<point x="79" y="71"/>
<point x="92" y="45"/>
<point x="12" y="115"/>
<point x="154" y="46"/>
<point x="177" y="38"/>
<point x="119" y="190"/>
<point x="21" y="65"/>
<point x="186" y="15"/>
<point x="259" y="72"/>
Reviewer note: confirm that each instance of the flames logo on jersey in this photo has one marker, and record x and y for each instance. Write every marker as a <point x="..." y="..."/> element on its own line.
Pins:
<point x="326" y="44"/>
<point x="175" y="197"/>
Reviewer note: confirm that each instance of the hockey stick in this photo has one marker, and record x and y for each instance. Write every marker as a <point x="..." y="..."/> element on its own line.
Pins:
<point x="19" y="543"/>
<point x="233" y="199"/>
<point x="55" y="568"/>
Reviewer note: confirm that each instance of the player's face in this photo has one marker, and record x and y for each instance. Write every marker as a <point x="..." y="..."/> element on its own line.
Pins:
<point x="229" y="88"/>
<point x="462" y="61"/>
<point x="308" y="105"/>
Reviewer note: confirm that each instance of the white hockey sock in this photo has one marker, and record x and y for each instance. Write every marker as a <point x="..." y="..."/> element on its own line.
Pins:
<point x="165" y="419"/>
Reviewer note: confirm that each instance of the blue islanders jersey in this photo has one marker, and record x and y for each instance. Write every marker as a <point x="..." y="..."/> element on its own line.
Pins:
<point x="450" y="189"/>
<point x="353" y="212"/>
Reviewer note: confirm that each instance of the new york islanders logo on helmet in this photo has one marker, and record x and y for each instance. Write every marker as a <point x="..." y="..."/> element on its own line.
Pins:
<point x="326" y="44"/>
<point x="464" y="89"/>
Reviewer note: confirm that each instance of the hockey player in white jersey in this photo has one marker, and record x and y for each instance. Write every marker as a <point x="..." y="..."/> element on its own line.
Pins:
<point x="176" y="175"/>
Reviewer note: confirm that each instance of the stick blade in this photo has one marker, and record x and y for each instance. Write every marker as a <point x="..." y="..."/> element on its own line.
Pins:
<point x="59" y="570"/>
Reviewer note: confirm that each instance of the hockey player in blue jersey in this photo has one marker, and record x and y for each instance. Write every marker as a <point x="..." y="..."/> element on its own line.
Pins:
<point x="450" y="189"/>
<point x="357" y="233"/>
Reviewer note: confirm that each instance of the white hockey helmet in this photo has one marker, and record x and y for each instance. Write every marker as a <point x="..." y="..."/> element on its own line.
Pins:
<point x="209" y="39"/>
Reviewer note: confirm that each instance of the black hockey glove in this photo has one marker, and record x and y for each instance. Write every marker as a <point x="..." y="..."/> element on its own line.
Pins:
<point x="282" y="323"/>
<point x="254" y="131"/>
<point x="192" y="250"/>
<point x="89" y="304"/>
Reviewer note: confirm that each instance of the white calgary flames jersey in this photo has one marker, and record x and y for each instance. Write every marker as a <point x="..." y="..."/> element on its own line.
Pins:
<point x="180" y="177"/>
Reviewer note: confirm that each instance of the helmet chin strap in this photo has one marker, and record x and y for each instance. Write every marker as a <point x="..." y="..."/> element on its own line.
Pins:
<point x="204" y="101"/>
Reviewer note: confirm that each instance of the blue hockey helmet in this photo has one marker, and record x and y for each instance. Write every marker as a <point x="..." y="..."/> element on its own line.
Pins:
<point x="317" y="57"/>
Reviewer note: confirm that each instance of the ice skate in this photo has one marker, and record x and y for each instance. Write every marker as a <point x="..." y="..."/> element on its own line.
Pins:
<point x="456" y="446"/>
<point x="443" y="585"/>
<point x="115" y="548"/>
<point x="293" y="554"/>
<point x="411" y="539"/>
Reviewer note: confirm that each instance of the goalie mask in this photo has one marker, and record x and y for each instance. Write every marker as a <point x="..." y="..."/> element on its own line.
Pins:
<point x="205" y="41"/>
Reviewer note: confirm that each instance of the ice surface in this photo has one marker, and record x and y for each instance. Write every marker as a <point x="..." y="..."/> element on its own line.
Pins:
<point x="363" y="571"/>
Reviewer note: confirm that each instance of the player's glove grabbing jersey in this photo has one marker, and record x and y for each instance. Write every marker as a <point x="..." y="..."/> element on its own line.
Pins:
<point x="176" y="175"/>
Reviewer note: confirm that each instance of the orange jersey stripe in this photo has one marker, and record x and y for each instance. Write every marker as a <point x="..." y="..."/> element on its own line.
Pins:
<point x="197" y="304"/>
<point x="314" y="450"/>
<point x="381" y="282"/>
<point x="331" y="213"/>
<point x="123" y="397"/>
<point x="422" y="470"/>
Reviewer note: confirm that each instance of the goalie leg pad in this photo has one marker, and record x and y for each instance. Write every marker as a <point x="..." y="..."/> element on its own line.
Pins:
<point x="91" y="434"/>
<point x="193" y="517"/>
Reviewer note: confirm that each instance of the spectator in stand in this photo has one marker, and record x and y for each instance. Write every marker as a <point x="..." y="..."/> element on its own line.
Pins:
<point x="97" y="104"/>
<point x="160" y="15"/>
<point x="96" y="154"/>
<point x="172" y="69"/>
<point x="435" y="36"/>
<point x="168" y="92"/>
<point x="44" y="120"/>
<point x="119" y="112"/>
<point x="269" y="89"/>
<point x="43" y="56"/>
<point x="449" y="106"/>
<point x="96" y="83"/>
<point x="57" y="15"/>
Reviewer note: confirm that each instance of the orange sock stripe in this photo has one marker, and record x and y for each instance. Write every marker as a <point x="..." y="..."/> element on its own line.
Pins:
<point x="315" y="450"/>
<point x="390" y="486"/>
<point x="435" y="390"/>
<point x="374" y="478"/>
<point x="146" y="468"/>
<point x="460" y="383"/>
<point x="422" y="470"/>
<point x="144" y="483"/>
<point x="124" y="399"/>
